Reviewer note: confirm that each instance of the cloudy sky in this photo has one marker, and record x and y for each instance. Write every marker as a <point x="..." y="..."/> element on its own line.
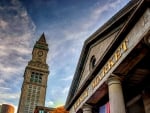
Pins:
<point x="66" y="24"/>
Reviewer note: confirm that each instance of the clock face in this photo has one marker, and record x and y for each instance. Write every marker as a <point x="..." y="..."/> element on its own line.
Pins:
<point x="40" y="53"/>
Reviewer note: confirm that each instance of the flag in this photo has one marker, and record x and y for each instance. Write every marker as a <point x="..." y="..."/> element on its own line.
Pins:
<point x="105" y="108"/>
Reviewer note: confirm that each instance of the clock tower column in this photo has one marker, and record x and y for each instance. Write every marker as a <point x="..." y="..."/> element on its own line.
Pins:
<point x="34" y="86"/>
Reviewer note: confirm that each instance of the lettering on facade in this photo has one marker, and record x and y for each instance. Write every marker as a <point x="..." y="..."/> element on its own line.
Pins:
<point x="111" y="62"/>
<point x="107" y="67"/>
<point x="81" y="99"/>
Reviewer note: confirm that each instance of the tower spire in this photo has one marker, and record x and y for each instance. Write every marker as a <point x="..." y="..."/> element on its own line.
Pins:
<point x="42" y="39"/>
<point x="41" y="43"/>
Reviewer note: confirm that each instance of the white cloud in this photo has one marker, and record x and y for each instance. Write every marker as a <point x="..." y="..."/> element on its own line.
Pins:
<point x="96" y="14"/>
<point x="115" y="4"/>
<point x="2" y="81"/>
<point x="65" y="90"/>
<point x="49" y="103"/>
<point x="4" y="89"/>
<point x="67" y="78"/>
<point x="17" y="32"/>
<point x="3" y="24"/>
<point x="4" y="96"/>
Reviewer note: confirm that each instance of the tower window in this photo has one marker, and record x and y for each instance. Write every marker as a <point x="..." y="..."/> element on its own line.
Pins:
<point x="36" y="77"/>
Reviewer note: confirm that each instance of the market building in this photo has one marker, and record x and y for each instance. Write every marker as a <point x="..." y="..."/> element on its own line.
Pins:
<point x="113" y="72"/>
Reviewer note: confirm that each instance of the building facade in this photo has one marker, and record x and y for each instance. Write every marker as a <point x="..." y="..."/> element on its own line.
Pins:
<point x="113" y="72"/>
<point x="5" y="108"/>
<point x="34" y="86"/>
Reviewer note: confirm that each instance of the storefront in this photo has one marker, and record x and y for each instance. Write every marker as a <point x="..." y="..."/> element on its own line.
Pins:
<point x="113" y="72"/>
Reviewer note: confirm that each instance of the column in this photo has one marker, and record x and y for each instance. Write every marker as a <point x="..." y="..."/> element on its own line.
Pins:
<point x="146" y="100"/>
<point x="87" y="108"/>
<point x="116" y="98"/>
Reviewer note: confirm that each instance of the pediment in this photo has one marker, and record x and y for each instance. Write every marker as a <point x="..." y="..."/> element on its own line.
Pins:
<point x="97" y="50"/>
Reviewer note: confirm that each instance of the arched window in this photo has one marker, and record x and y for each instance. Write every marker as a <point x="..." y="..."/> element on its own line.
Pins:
<point x="92" y="62"/>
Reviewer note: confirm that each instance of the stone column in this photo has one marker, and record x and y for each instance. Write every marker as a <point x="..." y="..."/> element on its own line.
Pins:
<point x="116" y="98"/>
<point x="87" y="108"/>
<point x="146" y="100"/>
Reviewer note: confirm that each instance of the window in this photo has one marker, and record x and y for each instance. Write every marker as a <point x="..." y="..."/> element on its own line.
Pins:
<point x="32" y="97"/>
<point x="30" y="86"/>
<point x="36" y="77"/>
<point x="92" y="63"/>
<point x="41" y="111"/>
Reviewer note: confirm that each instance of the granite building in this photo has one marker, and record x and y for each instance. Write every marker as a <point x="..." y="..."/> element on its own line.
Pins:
<point x="34" y="86"/>
<point x="113" y="72"/>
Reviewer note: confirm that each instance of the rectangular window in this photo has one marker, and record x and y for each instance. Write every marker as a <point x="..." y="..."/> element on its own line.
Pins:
<point x="41" y="111"/>
<point x="36" y="77"/>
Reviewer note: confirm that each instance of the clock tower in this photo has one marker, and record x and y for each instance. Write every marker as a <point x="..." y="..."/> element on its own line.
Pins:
<point x="34" y="86"/>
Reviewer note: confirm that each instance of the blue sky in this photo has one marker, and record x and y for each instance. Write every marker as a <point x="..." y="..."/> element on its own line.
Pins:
<point x="66" y="24"/>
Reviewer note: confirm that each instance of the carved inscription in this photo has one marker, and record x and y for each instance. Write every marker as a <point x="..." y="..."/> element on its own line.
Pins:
<point x="111" y="62"/>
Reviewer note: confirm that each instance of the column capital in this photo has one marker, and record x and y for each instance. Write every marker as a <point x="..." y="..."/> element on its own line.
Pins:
<point x="87" y="108"/>
<point x="113" y="79"/>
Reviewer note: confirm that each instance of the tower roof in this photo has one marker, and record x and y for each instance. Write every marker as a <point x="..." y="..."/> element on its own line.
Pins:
<point x="41" y="43"/>
<point x="42" y="39"/>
